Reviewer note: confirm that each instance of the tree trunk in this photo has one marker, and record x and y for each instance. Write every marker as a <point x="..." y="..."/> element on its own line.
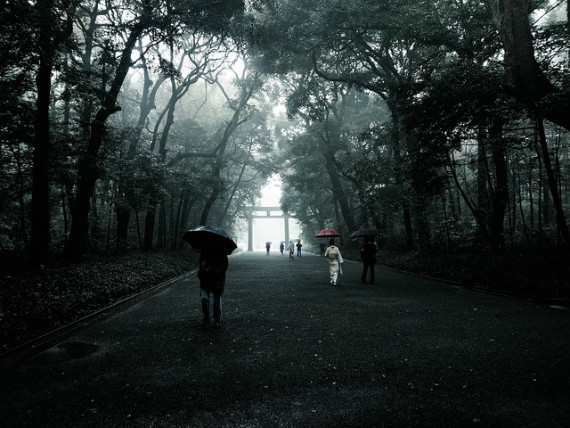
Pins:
<point x="501" y="193"/>
<point x="560" y="217"/>
<point x="480" y="221"/>
<point x="398" y="170"/>
<point x="337" y="188"/>
<point x="529" y="84"/>
<point x="154" y="199"/>
<point x="483" y="204"/>
<point x="126" y="188"/>
<point x="213" y="195"/>
<point x="161" y="238"/>
<point x="123" y="213"/>
<point x="88" y="168"/>
<point x="233" y="124"/>
<point x="149" y="223"/>
<point x="40" y="206"/>
<point x="177" y="93"/>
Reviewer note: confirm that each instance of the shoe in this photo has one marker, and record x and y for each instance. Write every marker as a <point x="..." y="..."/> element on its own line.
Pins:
<point x="217" y="323"/>
<point x="205" y="322"/>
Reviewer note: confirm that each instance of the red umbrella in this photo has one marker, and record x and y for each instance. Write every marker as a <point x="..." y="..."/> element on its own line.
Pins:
<point x="327" y="233"/>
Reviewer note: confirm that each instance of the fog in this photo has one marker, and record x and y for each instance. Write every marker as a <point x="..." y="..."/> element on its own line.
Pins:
<point x="269" y="229"/>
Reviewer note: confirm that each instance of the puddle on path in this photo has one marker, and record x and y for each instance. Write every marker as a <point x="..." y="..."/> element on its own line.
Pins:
<point x="64" y="352"/>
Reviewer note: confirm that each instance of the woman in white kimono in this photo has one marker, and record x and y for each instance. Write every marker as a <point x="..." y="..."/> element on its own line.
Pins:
<point x="334" y="258"/>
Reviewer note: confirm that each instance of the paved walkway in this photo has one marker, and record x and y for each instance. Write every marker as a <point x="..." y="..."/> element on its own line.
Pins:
<point x="294" y="351"/>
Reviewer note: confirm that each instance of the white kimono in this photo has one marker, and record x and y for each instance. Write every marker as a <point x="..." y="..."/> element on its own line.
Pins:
<point x="335" y="259"/>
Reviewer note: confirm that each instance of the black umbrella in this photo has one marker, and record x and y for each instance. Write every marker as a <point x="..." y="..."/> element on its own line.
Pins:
<point x="363" y="233"/>
<point x="210" y="237"/>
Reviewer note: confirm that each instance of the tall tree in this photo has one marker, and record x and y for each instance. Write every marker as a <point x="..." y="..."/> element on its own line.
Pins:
<point x="249" y="83"/>
<point x="49" y="43"/>
<point x="160" y="25"/>
<point x="527" y="78"/>
<point x="88" y="167"/>
<point x="531" y="85"/>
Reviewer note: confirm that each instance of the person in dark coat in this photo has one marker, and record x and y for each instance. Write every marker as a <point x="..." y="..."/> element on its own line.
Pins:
<point x="213" y="265"/>
<point x="368" y="256"/>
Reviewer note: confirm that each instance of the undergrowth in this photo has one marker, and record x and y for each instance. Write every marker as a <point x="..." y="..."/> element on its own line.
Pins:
<point x="36" y="301"/>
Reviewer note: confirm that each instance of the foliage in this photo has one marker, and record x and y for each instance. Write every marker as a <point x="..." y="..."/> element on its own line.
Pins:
<point x="36" y="301"/>
<point x="452" y="126"/>
<point x="537" y="274"/>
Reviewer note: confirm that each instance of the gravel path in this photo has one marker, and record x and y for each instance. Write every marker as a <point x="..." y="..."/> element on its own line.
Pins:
<point x="294" y="351"/>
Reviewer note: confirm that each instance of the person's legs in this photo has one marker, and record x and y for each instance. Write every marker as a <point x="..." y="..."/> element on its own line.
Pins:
<point x="205" y="298"/>
<point x="217" y="308"/>
<point x="364" y="272"/>
<point x="372" y="273"/>
<point x="334" y="273"/>
<point x="217" y="305"/>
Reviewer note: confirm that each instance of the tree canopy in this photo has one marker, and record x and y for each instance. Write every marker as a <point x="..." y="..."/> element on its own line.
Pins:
<point x="437" y="123"/>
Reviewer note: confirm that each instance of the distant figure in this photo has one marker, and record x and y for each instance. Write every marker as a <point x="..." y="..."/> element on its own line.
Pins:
<point x="299" y="245"/>
<point x="368" y="256"/>
<point x="322" y="247"/>
<point x="212" y="268"/>
<point x="281" y="248"/>
<point x="334" y="259"/>
<point x="291" y="250"/>
<point x="267" y="247"/>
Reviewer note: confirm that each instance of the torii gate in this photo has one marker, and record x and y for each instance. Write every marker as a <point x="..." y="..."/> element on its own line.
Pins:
<point x="267" y="211"/>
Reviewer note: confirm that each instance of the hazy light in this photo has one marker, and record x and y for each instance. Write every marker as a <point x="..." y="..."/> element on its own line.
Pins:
<point x="270" y="229"/>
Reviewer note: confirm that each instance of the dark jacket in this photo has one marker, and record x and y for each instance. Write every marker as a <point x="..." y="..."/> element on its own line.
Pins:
<point x="368" y="252"/>
<point x="212" y="269"/>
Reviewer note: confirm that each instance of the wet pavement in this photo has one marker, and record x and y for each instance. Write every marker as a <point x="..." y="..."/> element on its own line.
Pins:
<point x="294" y="351"/>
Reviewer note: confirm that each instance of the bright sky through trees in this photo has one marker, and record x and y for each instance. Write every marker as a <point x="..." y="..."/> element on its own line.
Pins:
<point x="264" y="229"/>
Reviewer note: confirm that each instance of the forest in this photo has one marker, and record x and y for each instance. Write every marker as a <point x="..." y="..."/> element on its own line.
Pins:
<point x="442" y="124"/>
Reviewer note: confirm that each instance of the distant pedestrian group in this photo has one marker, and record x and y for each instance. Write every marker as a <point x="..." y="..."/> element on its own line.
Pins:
<point x="213" y="265"/>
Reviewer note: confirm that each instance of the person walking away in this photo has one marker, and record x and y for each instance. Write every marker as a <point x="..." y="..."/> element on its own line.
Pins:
<point x="368" y="256"/>
<point x="299" y="245"/>
<point x="291" y="250"/>
<point x="267" y="247"/>
<point x="281" y="248"/>
<point x="213" y="264"/>
<point x="334" y="258"/>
